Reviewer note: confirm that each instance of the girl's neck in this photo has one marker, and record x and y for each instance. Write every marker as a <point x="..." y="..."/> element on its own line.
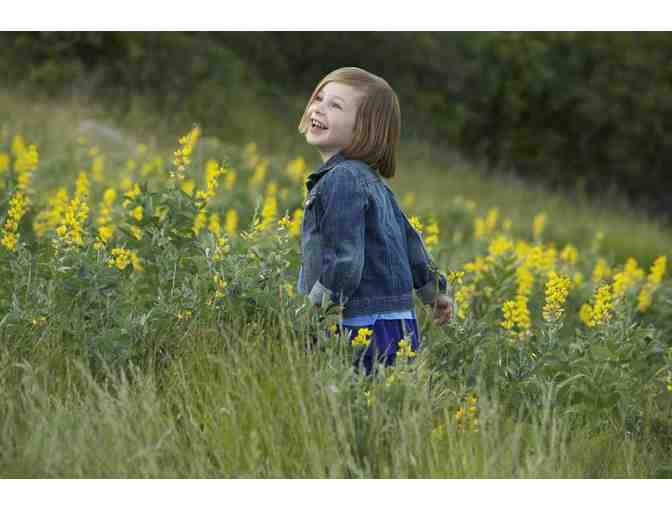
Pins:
<point x="326" y="156"/>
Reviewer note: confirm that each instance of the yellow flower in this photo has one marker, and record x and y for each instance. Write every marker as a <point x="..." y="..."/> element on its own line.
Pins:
<point x="557" y="289"/>
<point x="578" y="278"/>
<point x="657" y="271"/>
<point x="499" y="246"/>
<point x="525" y="280"/>
<point x="295" y="227"/>
<point x="601" y="271"/>
<point x="122" y="257"/>
<point x="136" y="232"/>
<point x="17" y="208"/>
<point x="231" y="222"/>
<point x="405" y="349"/>
<point x="509" y="312"/>
<point x="137" y="213"/>
<point x="491" y="220"/>
<point x="229" y="180"/>
<point x="569" y="254"/>
<point x="200" y="221"/>
<point x="362" y="338"/>
<point x="259" y="176"/>
<point x="183" y="154"/>
<point x="220" y="286"/>
<point x="4" y="162"/>
<point x="187" y="186"/>
<point x="415" y="223"/>
<point x="214" y="225"/>
<point x="268" y="213"/>
<point x="432" y="238"/>
<point x="462" y="300"/>
<point x="97" y="169"/>
<point x="600" y="312"/>
<point x="538" y="225"/>
<point x="296" y="170"/>
<point x="627" y="278"/>
<point x="285" y="222"/>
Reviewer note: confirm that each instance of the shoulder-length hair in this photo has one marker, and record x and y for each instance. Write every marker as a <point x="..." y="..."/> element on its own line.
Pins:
<point x="377" y="123"/>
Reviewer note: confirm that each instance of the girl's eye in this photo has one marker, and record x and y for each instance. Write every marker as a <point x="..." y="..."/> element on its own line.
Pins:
<point x="319" y="98"/>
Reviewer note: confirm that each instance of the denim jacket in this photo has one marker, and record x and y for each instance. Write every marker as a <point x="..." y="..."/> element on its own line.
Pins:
<point x="358" y="248"/>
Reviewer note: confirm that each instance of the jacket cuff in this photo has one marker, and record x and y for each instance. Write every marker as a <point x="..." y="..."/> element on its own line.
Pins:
<point x="320" y="295"/>
<point x="428" y="292"/>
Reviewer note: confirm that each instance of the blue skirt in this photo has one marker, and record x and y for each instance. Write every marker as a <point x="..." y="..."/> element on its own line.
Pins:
<point x="384" y="343"/>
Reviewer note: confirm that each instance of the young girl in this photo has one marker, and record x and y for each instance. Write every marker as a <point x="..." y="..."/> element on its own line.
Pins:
<point x="358" y="248"/>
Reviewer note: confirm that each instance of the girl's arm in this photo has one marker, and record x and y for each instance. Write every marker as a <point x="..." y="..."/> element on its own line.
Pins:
<point x="429" y="283"/>
<point x="343" y="198"/>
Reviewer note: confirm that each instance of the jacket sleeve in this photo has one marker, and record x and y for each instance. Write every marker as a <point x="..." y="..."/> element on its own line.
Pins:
<point x="428" y="281"/>
<point x="343" y="201"/>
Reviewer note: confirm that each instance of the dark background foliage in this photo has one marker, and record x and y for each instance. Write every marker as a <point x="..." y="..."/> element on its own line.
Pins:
<point x="591" y="110"/>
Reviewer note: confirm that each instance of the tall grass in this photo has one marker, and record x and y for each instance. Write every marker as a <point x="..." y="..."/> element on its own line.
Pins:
<point x="240" y="394"/>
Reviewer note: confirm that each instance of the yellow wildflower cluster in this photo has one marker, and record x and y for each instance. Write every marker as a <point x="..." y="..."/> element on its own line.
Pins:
<point x="478" y="266"/>
<point x="499" y="246"/>
<point x="71" y="228"/>
<point x="259" y="175"/>
<point x="231" y="222"/>
<point x="466" y="416"/>
<point x="98" y="169"/>
<point x="486" y="226"/>
<point x="184" y="315"/>
<point x="188" y="186"/>
<point x="50" y="218"/>
<point x="296" y="170"/>
<point x="269" y="211"/>
<point x="600" y="312"/>
<point x="538" y="226"/>
<point x="569" y="254"/>
<point x="416" y="223"/>
<point x="133" y="192"/>
<point x="251" y="155"/>
<point x="214" y="225"/>
<point x="17" y="208"/>
<point x="221" y="249"/>
<point x="656" y="274"/>
<point x="229" y="179"/>
<point x="220" y="286"/>
<point x="104" y="220"/>
<point x="463" y="299"/>
<point x="122" y="257"/>
<point x="212" y="172"/>
<point x="295" y="227"/>
<point x="517" y="314"/>
<point x="406" y="349"/>
<point x="557" y="289"/>
<point x="183" y="154"/>
<point x="432" y="238"/>
<point x="362" y="338"/>
<point x="627" y="278"/>
<point x="27" y="159"/>
<point x="601" y="271"/>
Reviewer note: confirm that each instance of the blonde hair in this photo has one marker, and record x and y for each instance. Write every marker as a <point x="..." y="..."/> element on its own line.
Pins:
<point x="377" y="123"/>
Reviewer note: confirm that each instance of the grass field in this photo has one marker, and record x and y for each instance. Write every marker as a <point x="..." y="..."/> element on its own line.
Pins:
<point x="149" y="325"/>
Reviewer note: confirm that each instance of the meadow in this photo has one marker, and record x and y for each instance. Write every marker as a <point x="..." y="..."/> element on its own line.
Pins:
<point x="150" y="324"/>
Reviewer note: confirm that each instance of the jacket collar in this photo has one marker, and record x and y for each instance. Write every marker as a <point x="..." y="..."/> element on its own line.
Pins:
<point x="312" y="179"/>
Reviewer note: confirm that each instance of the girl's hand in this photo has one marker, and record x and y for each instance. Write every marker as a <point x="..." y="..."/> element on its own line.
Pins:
<point x="443" y="309"/>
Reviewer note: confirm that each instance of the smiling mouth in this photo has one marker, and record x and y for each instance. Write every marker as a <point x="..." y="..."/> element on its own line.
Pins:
<point x="318" y="125"/>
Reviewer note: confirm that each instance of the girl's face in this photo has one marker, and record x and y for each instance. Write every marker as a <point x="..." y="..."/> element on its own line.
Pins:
<point x="332" y="118"/>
